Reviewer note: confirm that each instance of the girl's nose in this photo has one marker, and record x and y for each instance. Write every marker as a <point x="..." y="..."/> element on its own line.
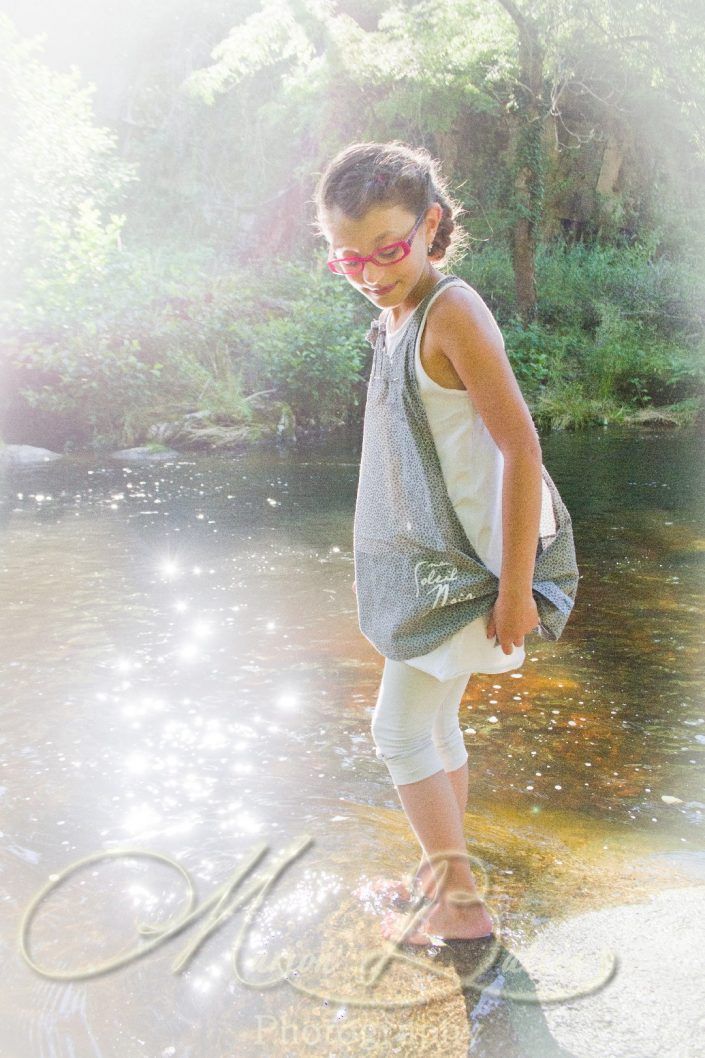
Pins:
<point x="372" y="275"/>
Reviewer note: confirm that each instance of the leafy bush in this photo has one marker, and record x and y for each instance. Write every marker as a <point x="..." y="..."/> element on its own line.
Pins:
<point x="575" y="282"/>
<point x="633" y="362"/>
<point x="142" y="346"/>
<point x="100" y="353"/>
<point x="303" y="337"/>
<point x="566" y="406"/>
<point x="490" y="272"/>
<point x="625" y="326"/>
<point x="62" y="177"/>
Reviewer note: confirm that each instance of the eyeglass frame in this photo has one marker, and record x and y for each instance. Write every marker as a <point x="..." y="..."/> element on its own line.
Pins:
<point x="405" y="243"/>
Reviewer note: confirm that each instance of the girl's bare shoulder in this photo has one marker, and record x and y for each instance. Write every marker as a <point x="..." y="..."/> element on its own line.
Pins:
<point x="461" y="301"/>
<point x="465" y="332"/>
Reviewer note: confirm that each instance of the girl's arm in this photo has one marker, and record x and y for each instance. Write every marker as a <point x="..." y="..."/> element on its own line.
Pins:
<point x="464" y="329"/>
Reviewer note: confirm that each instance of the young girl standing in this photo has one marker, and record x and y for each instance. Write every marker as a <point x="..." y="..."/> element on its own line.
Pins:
<point x="452" y="496"/>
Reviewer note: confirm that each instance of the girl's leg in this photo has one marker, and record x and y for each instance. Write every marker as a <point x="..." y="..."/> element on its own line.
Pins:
<point x="403" y="726"/>
<point x="448" y="740"/>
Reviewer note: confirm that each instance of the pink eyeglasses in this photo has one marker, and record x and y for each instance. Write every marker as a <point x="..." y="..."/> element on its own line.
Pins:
<point x="386" y="255"/>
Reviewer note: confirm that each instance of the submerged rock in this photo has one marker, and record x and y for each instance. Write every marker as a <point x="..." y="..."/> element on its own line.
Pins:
<point x="143" y="453"/>
<point x="271" y="421"/>
<point x="24" y="455"/>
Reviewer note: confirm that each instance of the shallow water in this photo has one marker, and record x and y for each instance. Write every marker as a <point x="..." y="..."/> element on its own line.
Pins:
<point x="183" y="674"/>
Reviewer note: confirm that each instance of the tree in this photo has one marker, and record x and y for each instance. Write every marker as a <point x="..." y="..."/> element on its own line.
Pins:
<point x="60" y="175"/>
<point x="527" y="120"/>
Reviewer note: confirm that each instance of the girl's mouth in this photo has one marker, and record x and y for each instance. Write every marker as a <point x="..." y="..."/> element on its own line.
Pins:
<point x="382" y="290"/>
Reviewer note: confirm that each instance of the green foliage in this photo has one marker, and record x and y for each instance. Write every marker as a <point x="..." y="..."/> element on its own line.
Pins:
<point x="121" y="311"/>
<point x="60" y="175"/>
<point x="489" y="270"/>
<point x="91" y="380"/>
<point x="538" y="355"/>
<point x="631" y="361"/>
<point x="573" y="283"/>
<point x="615" y="325"/>
<point x="271" y="35"/>
<point x="299" y="333"/>
<point x="166" y="345"/>
<point x="565" y="406"/>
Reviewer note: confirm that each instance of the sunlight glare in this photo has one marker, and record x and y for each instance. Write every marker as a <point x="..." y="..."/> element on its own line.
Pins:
<point x="137" y="763"/>
<point x="140" y="818"/>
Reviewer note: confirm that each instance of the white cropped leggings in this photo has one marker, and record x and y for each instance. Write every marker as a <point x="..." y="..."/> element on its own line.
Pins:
<point x="415" y="723"/>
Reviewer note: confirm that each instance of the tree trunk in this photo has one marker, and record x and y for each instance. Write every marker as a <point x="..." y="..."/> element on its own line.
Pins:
<point x="524" y="247"/>
<point x="528" y="161"/>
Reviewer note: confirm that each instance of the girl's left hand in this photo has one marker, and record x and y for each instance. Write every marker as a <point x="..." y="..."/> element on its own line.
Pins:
<point x="511" y="618"/>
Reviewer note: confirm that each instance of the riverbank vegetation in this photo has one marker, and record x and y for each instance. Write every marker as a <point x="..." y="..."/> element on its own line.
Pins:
<point x="160" y="279"/>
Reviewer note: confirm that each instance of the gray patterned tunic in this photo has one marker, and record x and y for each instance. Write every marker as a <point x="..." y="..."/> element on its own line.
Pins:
<point x="418" y="579"/>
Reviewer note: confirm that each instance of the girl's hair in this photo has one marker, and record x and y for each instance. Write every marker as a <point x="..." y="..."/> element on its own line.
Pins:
<point x="365" y="175"/>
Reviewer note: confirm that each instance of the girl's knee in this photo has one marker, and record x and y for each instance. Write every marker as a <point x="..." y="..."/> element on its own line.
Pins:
<point x="393" y="739"/>
<point x="406" y="752"/>
<point x="451" y="749"/>
<point x="402" y="724"/>
<point x="410" y="763"/>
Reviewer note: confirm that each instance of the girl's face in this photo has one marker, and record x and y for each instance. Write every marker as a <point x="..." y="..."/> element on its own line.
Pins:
<point x="384" y="285"/>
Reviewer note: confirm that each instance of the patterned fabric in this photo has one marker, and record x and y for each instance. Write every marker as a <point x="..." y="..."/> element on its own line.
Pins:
<point x="417" y="577"/>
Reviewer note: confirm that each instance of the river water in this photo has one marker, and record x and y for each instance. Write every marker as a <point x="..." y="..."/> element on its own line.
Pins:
<point x="183" y="675"/>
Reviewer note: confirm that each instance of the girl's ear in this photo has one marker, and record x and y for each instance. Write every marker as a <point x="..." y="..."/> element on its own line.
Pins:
<point x="437" y="216"/>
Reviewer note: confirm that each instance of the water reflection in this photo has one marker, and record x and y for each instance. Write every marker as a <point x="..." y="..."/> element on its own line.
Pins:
<point x="183" y="672"/>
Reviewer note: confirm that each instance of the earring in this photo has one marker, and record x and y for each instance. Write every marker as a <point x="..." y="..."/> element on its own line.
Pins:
<point x="430" y="247"/>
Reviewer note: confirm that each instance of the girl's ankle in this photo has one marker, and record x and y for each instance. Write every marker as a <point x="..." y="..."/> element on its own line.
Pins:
<point x="424" y="882"/>
<point x="460" y="898"/>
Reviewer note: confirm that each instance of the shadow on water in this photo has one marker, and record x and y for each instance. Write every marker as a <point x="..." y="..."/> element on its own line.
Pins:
<point x="183" y="673"/>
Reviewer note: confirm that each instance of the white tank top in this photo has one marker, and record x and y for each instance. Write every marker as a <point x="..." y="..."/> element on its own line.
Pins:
<point x="472" y="466"/>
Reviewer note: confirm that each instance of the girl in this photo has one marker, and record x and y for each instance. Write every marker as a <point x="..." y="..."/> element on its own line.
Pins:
<point x="452" y="495"/>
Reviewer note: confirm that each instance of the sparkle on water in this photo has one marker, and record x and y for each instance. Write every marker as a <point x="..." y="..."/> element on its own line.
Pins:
<point x="183" y="673"/>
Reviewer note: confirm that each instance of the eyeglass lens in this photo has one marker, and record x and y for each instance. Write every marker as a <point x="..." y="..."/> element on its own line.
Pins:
<point x="353" y="264"/>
